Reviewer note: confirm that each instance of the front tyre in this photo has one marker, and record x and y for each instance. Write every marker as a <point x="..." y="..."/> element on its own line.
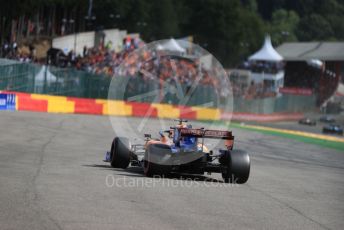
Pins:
<point x="120" y="153"/>
<point x="237" y="163"/>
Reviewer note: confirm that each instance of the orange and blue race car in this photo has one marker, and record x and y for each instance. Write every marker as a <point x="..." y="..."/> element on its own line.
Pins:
<point x="181" y="149"/>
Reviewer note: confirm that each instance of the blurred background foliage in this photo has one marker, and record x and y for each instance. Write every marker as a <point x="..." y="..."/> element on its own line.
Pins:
<point x="230" y="29"/>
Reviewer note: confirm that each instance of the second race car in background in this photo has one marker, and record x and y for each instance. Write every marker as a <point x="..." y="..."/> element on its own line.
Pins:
<point x="307" y="121"/>
<point x="333" y="129"/>
<point x="327" y="119"/>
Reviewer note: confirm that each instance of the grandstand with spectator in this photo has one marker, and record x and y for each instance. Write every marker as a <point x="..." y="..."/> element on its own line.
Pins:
<point x="316" y="67"/>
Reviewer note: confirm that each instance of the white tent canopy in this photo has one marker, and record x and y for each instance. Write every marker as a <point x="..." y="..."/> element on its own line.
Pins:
<point x="266" y="53"/>
<point x="159" y="47"/>
<point x="171" y="45"/>
<point x="40" y="76"/>
<point x="44" y="75"/>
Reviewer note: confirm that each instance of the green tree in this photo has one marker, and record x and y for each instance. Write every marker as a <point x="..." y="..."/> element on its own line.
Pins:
<point x="225" y="28"/>
<point x="251" y="5"/>
<point x="250" y="33"/>
<point x="283" y="26"/>
<point x="267" y="7"/>
<point x="314" y="27"/>
<point x="163" y="19"/>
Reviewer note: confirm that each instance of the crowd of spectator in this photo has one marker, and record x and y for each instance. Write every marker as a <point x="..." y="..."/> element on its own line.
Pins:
<point x="243" y="86"/>
<point x="252" y="91"/>
<point x="11" y="51"/>
<point x="103" y="59"/>
<point x="149" y="64"/>
<point x="263" y="66"/>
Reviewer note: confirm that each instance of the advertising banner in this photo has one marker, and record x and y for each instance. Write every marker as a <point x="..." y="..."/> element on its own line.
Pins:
<point x="7" y="101"/>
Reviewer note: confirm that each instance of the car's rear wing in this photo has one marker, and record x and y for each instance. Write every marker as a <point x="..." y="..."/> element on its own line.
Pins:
<point x="205" y="133"/>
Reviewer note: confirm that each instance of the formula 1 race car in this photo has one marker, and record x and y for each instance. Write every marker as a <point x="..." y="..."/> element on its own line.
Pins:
<point x="307" y="121"/>
<point x="333" y="129"/>
<point x="327" y="119"/>
<point x="181" y="149"/>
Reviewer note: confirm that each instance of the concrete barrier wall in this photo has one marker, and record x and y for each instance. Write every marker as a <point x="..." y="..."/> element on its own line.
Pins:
<point x="67" y="43"/>
<point x="79" y="40"/>
<point x="29" y="78"/>
<point x="61" y="104"/>
<point x="116" y="37"/>
<point x="285" y="103"/>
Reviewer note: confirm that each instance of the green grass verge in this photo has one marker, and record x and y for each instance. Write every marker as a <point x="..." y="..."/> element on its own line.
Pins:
<point x="325" y="143"/>
<point x="311" y="140"/>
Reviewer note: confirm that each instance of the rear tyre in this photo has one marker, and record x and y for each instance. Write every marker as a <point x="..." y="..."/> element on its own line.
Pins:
<point x="238" y="166"/>
<point x="151" y="169"/>
<point x="120" y="153"/>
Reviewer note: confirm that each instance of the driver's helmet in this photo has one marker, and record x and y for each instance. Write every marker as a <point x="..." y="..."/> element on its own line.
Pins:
<point x="189" y="140"/>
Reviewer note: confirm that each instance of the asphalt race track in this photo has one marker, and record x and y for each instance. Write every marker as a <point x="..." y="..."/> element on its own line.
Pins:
<point x="52" y="177"/>
<point x="294" y="125"/>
